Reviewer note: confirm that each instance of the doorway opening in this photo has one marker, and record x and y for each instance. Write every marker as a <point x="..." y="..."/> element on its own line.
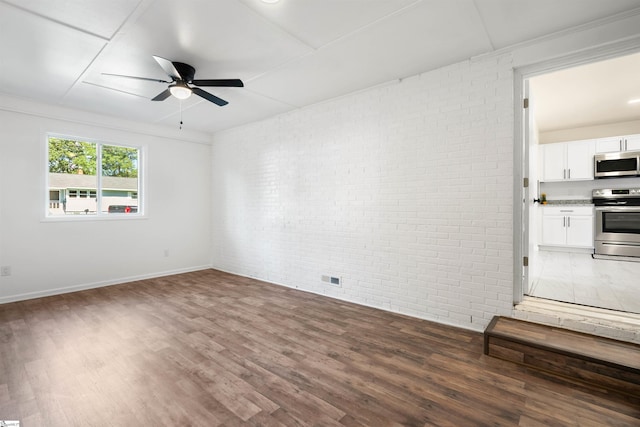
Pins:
<point x="575" y="111"/>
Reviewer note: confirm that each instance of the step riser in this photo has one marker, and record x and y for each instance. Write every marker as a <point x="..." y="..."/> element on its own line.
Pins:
<point x="573" y="368"/>
<point x="530" y="347"/>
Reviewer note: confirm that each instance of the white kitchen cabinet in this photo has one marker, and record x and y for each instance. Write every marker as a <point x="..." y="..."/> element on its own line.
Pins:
<point x="568" y="160"/>
<point x="553" y="230"/>
<point x="580" y="230"/>
<point x="553" y="162"/>
<point x="580" y="159"/>
<point x="633" y="142"/>
<point x="567" y="226"/>
<point x="618" y="143"/>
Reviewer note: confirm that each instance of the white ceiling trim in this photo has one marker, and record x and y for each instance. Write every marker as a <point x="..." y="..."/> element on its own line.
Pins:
<point x="614" y="19"/>
<point x="12" y="104"/>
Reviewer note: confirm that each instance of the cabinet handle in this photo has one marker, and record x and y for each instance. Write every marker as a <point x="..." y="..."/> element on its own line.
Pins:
<point x="564" y="174"/>
<point x="564" y="221"/>
<point x="568" y="221"/>
<point x="569" y="173"/>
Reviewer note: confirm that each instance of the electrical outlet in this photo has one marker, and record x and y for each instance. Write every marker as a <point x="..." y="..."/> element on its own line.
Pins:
<point x="5" y="270"/>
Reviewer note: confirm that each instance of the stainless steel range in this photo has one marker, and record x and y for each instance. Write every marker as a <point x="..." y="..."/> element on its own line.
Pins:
<point x="617" y="222"/>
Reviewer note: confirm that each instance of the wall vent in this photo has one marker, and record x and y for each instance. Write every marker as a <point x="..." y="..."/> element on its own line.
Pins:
<point x="332" y="280"/>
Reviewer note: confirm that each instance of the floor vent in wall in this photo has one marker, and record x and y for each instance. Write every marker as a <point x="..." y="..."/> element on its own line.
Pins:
<point x="588" y="359"/>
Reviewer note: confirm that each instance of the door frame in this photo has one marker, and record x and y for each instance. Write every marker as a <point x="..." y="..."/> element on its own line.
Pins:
<point x="521" y="75"/>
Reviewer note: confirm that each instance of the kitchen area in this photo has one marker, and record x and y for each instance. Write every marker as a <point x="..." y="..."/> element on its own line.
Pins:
<point x="584" y="216"/>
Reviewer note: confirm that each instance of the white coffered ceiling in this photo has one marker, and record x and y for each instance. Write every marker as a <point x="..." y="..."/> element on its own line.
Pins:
<point x="289" y="54"/>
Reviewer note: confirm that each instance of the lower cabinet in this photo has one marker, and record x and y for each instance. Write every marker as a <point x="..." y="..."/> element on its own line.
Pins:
<point x="570" y="226"/>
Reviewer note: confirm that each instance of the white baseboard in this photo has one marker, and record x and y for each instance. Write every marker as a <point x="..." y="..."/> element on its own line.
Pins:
<point x="84" y="286"/>
<point x="474" y="327"/>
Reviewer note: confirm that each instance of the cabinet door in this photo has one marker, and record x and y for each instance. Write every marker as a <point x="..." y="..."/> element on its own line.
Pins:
<point x="553" y="163"/>
<point x="608" y="145"/>
<point x="633" y="142"/>
<point x="553" y="230"/>
<point x="580" y="159"/>
<point x="580" y="231"/>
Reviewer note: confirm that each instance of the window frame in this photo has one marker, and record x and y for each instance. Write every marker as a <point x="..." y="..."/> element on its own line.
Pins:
<point x="99" y="215"/>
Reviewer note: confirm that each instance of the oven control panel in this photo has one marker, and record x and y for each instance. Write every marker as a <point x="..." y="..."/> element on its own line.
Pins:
<point x="616" y="193"/>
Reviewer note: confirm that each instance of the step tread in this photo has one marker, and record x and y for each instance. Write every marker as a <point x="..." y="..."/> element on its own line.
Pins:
<point x="607" y="350"/>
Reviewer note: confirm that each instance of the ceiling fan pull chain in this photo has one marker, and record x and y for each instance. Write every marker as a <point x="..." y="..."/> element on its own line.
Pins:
<point x="181" y="114"/>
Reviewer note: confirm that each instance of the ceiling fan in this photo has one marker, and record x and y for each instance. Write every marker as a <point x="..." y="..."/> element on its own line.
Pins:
<point x="182" y="79"/>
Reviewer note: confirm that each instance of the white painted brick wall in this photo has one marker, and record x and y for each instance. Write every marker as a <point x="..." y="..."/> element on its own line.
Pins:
<point x="404" y="191"/>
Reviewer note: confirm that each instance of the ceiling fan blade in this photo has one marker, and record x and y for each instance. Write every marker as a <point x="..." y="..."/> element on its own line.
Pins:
<point x="219" y="82"/>
<point x="162" y="95"/>
<point x="137" y="78"/>
<point x="206" y="95"/>
<point x="168" y="67"/>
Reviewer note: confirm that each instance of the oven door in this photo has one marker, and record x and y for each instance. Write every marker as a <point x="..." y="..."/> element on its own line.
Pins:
<point x="618" y="231"/>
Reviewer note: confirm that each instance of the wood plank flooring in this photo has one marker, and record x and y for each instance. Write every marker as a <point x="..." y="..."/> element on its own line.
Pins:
<point x="213" y="349"/>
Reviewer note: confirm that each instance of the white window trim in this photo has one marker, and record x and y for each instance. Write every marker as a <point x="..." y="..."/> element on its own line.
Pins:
<point x="98" y="216"/>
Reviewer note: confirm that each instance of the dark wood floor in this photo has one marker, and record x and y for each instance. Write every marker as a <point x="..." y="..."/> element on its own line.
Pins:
<point x="213" y="349"/>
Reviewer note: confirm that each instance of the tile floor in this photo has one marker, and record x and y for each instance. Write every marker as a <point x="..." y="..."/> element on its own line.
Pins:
<point x="580" y="279"/>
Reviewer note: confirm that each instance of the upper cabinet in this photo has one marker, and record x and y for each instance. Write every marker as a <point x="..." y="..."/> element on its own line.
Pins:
<point x="573" y="161"/>
<point x="567" y="161"/>
<point x="618" y="143"/>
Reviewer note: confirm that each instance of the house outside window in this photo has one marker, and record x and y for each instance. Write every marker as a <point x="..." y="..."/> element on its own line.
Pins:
<point x="88" y="178"/>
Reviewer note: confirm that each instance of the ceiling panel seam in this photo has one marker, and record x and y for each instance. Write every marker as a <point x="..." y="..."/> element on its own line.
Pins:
<point x="278" y="27"/>
<point x="82" y="74"/>
<point x="136" y="12"/>
<point x="371" y="24"/>
<point x="55" y="21"/>
<point x="141" y="6"/>
<point x="332" y="42"/>
<point x="289" y="34"/>
<point x="484" y="26"/>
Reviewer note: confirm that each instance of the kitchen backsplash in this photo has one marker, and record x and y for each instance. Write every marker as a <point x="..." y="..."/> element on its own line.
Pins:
<point x="580" y="190"/>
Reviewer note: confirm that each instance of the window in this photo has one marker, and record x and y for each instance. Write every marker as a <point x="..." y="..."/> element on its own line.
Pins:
<point x="88" y="178"/>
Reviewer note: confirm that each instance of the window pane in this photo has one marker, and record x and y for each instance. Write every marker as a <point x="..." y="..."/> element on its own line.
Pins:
<point x="87" y="178"/>
<point x="119" y="179"/>
<point x="72" y="173"/>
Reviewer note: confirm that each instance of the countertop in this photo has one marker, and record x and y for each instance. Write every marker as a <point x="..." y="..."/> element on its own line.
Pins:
<point x="570" y="202"/>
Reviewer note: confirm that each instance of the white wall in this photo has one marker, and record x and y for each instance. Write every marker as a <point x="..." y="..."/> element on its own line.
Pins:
<point x="591" y="132"/>
<point x="405" y="191"/>
<point x="53" y="257"/>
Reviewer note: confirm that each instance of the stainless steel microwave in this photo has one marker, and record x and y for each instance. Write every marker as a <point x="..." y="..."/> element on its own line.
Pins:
<point x="623" y="163"/>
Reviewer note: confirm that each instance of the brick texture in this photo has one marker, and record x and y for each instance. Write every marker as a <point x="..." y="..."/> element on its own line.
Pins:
<point x="404" y="191"/>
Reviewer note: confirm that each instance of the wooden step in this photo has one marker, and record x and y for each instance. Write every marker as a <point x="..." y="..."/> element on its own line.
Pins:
<point x="589" y="359"/>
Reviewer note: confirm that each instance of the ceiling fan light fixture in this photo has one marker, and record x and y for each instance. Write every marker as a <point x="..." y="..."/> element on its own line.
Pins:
<point x="180" y="91"/>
